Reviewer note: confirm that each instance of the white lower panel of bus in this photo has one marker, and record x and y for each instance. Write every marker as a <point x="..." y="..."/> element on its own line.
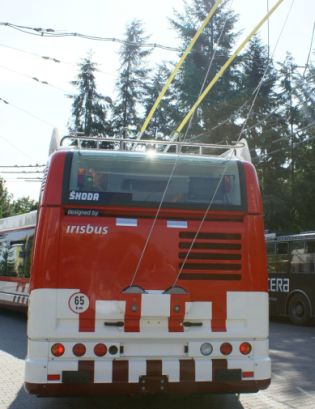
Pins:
<point x="52" y="315"/>
<point x="52" y="320"/>
<point x="38" y="371"/>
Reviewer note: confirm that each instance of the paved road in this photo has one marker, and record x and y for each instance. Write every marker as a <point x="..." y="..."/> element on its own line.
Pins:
<point x="293" y="383"/>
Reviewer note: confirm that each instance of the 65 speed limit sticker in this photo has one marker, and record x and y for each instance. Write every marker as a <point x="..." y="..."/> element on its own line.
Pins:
<point x="79" y="302"/>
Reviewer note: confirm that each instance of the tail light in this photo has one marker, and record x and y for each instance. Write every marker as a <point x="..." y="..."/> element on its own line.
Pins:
<point x="100" y="350"/>
<point x="57" y="349"/>
<point x="226" y="348"/>
<point x="245" y="348"/>
<point x="79" y="349"/>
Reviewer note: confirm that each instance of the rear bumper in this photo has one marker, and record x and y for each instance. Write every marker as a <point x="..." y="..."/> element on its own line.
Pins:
<point x="137" y="389"/>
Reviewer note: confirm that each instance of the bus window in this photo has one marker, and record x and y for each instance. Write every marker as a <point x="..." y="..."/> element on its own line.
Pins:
<point x="310" y="255"/>
<point x="298" y="260"/>
<point x="136" y="179"/>
<point x="279" y="263"/>
<point x="15" y="254"/>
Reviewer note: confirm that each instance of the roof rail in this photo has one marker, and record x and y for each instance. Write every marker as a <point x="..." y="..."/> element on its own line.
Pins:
<point x="77" y="142"/>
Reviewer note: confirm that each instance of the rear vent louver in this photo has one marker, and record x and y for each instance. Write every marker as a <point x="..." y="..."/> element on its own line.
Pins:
<point x="213" y="256"/>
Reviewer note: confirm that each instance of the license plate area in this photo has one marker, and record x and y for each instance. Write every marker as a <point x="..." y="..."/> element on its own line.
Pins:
<point x="153" y="384"/>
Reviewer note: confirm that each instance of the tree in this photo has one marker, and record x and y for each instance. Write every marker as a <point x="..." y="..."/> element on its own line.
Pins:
<point x="212" y="49"/>
<point x="24" y="205"/>
<point x="89" y="108"/>
<point x="131" y="83"/>
<point x="266" y="131"/>
<point x="5" y="200"/>
<point x="164" y="119"/>
<point x="303" y="147"/>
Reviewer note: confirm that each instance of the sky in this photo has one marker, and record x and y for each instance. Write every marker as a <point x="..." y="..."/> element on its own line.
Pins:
<point x="33" y="109"/>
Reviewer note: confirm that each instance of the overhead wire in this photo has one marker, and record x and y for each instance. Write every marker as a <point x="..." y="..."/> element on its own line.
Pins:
<point x="51" y="59"/>
<point x="310" y="50"/>
<point x="6" y="102"/>
<point x="225" y="67"/>
<point x="212" y="83"/>
<point x="178" y="66"/>
<point x="49" y="32"/>
<point x="207" y="72"/>
<point x="42" y="82"/>
<point x="258" y="88"/>
<point x="15" y="147"/>
<point x="151" y="113"/>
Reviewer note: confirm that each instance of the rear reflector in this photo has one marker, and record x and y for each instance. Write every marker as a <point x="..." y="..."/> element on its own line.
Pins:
<point x="79" y="349"/>
<point x="100" y="350"/>
<point x="57" y="349"/>
<point x="226" y="348"/>
<point x="53" y="377"/>
<point x="248" y="374"/>
<point x="245" y="348"/>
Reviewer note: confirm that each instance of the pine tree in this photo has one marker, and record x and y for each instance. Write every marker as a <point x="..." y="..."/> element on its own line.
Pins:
<point x="89" y="108"/>
<point x="266" y="131"/>
<point x="131" y="84"/>
<point x="212" y="50"/>
<point x="163" y="121"/>
<point x="303" y="147"/>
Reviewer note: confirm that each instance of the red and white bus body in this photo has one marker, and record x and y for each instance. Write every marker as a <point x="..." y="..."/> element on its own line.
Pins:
<point x="16" y="241"/>
<point x="113" y="312"/>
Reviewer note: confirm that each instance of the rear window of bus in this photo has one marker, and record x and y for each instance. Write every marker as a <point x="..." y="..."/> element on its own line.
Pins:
<point x="142" y="180"/>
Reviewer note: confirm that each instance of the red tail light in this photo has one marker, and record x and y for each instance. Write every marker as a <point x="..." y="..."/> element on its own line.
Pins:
<point x="57" y="349"/>
<point x="100" y="350"/>
<point x="226" y="348"/>
<point x="53" y="377"/>
<point x="245" y="348"/>
<point x="79" y="349"/>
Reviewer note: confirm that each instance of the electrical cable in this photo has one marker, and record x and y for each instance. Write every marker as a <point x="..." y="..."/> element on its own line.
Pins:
<point x="51" y="59"/>
<point x="16" y="148"/>
<point x="310" y="50"/>
<point x="28" y="113"/>
<point x="22" y="166"/>
<point x="225" y="66"/>
<point x="34" y="79"/>
<point x="178" y="66"/>
<point x="41" y="32"/>
<point x="151" y="113"/>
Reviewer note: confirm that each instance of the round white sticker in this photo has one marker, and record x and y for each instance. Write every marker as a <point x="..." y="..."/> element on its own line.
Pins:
<point x="79" y="302"/>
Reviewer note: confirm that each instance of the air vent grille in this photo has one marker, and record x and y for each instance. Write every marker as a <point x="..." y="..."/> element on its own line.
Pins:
<point x="210" y="256"/>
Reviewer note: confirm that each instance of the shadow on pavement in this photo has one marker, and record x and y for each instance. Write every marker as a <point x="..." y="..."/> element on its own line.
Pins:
<point x="214" y="401"/>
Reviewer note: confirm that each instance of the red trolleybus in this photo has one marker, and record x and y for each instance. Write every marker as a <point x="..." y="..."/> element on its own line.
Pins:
<point x="291" y="264"/>
<point x="16" y="241"/>
<point x="149" y="275"/>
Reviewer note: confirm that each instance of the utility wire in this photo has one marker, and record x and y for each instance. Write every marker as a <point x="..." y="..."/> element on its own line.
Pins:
<point x="310" y="50"/>
<point x="15" y="147"/>
<point x="22" y="166"/>
<point x="52" y="59"/>
<point x="33" y="78"/>
<point x="27" y="113"/>
<point x="20" y="172"/>
<point x="49" y="32"/>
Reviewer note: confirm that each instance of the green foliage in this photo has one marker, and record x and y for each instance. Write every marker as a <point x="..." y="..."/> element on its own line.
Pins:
<point x="131" y="83"/>
<point x="89" y="108"/>
<point x="271" y="105"/>
<point x="5" y="200"/>
<point x="10" y="207"/>
<point x="24" y="205"/>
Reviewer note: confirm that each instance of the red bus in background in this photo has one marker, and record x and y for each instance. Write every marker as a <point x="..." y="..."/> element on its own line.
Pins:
<point x="149" y="275"/>
<point x="16" y="242"/>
